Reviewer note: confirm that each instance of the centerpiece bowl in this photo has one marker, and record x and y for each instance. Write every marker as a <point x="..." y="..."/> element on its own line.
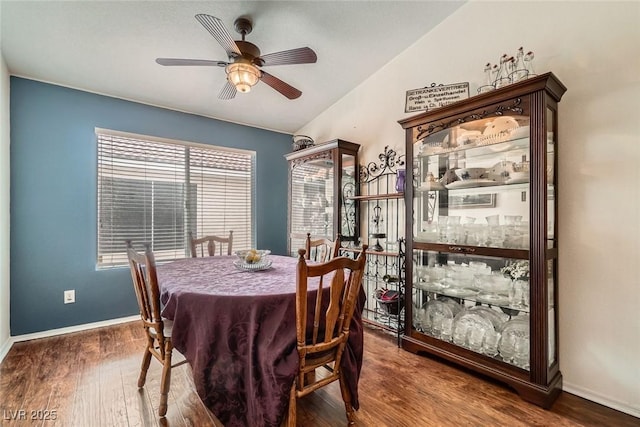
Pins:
<point x="253" y="259"/>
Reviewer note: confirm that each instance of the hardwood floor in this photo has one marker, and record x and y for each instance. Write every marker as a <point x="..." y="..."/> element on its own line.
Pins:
<point x="89" y="379"/>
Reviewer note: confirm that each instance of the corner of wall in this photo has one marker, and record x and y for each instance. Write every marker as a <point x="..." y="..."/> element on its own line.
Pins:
<point x="4" y="348"/>
<point x="5" y="330"/>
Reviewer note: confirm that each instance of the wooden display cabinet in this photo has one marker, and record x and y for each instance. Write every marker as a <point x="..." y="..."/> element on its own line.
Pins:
<point x="320" y="178"/>
<point x="481" y="239"/>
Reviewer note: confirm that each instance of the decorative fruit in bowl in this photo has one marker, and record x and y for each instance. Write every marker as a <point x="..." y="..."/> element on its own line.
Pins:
<point x="253" y="256"/>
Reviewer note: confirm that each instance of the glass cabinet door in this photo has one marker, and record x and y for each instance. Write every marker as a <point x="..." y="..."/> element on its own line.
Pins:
<point x="480" y="303"/>
<point x="472" y="184"/>
<point x="471" y="197"/>
<point x="550" y="169"/>
<point x="552" y="241"/>
<point x="311" y="200"/>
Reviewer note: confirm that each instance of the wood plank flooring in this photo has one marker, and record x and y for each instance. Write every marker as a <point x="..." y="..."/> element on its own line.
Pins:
<point x="89" y="379"/>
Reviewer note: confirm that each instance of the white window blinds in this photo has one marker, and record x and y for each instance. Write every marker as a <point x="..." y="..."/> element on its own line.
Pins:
<point x="156" y="191"/>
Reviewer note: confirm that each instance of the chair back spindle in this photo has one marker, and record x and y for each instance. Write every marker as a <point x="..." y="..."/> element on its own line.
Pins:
<point x="322" y="249"/>
<point x="198" y="245"/>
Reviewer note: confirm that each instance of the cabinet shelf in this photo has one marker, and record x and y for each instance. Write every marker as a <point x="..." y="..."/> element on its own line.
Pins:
<point x="477" y="300"/>
<point x="463" y="240"/>
<point x="471" y="250"/>
<point x="370" y="252"/>
<point x="377" y="197"/>
<point x="483" y="189"/>
<point x="481" y="150"/>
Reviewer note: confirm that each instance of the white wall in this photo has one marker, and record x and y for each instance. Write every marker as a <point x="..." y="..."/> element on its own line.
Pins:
<point x="4" y="207"/>
<point x="593" y="47"/>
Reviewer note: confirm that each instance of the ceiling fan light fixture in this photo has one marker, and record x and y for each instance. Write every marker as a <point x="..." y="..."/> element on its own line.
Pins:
<point x="242" y="75"/>
<point x="245" y="61"/>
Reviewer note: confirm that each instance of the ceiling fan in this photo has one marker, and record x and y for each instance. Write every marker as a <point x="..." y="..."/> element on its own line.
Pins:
<point x="242" y="68"/>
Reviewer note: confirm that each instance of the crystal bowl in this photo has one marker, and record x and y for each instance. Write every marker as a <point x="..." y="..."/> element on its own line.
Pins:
<point x="253" y="256"/>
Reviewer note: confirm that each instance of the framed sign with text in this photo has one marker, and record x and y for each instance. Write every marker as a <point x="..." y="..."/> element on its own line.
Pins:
<point x="435" y="96"/>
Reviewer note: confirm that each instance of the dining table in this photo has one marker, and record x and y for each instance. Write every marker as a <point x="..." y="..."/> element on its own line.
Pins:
<point x="237" y="330"/>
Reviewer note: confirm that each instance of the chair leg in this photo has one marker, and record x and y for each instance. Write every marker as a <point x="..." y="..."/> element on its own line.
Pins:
<point x="290" y="420"/>
<point x="146" y="360"/>
<point x="165" y="382"/>
<point x="346" y="396"/>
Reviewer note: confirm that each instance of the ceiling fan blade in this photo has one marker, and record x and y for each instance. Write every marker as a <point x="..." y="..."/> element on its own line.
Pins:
<point x="179" y="61"/>
<point x="302" y="55"/>
<point x="282" y="87"/>
<point x="219" y="32"/>
<point x="228" y="91"/>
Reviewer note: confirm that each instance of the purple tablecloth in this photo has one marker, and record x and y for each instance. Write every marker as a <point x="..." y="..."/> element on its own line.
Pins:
<point x="237" y="330"/>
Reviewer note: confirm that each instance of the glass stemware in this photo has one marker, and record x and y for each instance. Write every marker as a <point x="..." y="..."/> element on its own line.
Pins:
<point x="476" y="338"/>
<point x="521" y="352"/>
<point x="502" y="77"/>
<point x="488" y="80"/>
<point x="518" y="72"/>
<point x="491" y="344"/>
<point x="528" y="61"/>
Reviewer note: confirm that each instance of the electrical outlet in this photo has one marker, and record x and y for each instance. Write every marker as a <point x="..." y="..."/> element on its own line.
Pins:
<point x="70" y="296"/>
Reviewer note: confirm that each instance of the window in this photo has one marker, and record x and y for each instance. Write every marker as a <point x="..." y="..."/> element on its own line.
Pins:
<point x="154" y="191"/>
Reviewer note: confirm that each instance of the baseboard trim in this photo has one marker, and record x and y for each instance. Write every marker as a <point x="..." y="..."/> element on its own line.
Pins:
<point x="598" y="398"/>
<point x="76" y="328"/>
<point x="6" y="346"/>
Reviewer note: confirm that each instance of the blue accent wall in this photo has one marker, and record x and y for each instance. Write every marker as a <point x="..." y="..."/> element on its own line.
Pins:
<point x="53" y="197"/>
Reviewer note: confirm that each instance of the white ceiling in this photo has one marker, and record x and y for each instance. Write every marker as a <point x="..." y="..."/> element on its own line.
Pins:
<point x="110" y="48"/>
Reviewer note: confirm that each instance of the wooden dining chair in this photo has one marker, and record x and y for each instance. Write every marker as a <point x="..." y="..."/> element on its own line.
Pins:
<point x="322" y="249"/>
<point x="198" y="245"/>
<point x="330" y="316"/>
<point x="157" y="329"/>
